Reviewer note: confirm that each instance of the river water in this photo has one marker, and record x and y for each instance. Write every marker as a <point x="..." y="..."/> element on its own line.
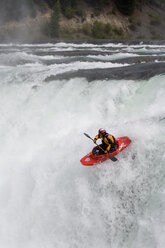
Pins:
<point x="50" y="94"/>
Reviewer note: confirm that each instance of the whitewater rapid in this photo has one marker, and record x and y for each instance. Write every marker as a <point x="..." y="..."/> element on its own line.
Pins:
<point x="47" y="198"/>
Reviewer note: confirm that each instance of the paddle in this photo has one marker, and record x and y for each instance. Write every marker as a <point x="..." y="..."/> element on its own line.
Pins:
<point x="109" y="155"/>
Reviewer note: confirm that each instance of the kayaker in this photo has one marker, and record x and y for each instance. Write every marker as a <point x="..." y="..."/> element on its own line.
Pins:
<point x="108" y="142"/>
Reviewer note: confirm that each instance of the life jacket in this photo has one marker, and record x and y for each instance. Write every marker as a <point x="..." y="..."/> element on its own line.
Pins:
<point x="108" y="141"/>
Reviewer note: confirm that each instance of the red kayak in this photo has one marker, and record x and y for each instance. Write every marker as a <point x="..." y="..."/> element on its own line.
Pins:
<point x="91" y="159"/>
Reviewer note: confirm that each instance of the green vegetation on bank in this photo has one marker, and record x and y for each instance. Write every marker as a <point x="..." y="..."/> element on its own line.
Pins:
<point x="54" y="27"/>
<point x="101" y="30"/>
<point x="17" y="10"/>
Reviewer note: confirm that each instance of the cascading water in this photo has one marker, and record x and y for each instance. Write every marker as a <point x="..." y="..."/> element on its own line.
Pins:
<point x="47" y="198"/>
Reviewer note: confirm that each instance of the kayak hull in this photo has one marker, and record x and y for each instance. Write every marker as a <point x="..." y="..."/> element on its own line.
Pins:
<point x="91" y="159"/>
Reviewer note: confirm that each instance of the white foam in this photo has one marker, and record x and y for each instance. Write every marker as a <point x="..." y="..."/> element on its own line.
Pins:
<point x="114" y="56"/>
<point x="47" y="198"/>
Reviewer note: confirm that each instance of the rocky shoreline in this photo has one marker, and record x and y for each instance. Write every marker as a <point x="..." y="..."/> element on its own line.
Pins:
<point x="130" y="42"/>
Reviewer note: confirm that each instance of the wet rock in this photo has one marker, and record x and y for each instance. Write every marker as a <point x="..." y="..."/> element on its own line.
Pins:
<point x="133" y="72"/>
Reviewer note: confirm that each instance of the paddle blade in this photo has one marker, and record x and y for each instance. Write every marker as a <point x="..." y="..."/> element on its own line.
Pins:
<point x="112" y="158"/>
<point x="87" y="136"/>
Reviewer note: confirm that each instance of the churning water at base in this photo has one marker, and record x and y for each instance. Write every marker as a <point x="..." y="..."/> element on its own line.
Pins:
<point x="47" y="198"/>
